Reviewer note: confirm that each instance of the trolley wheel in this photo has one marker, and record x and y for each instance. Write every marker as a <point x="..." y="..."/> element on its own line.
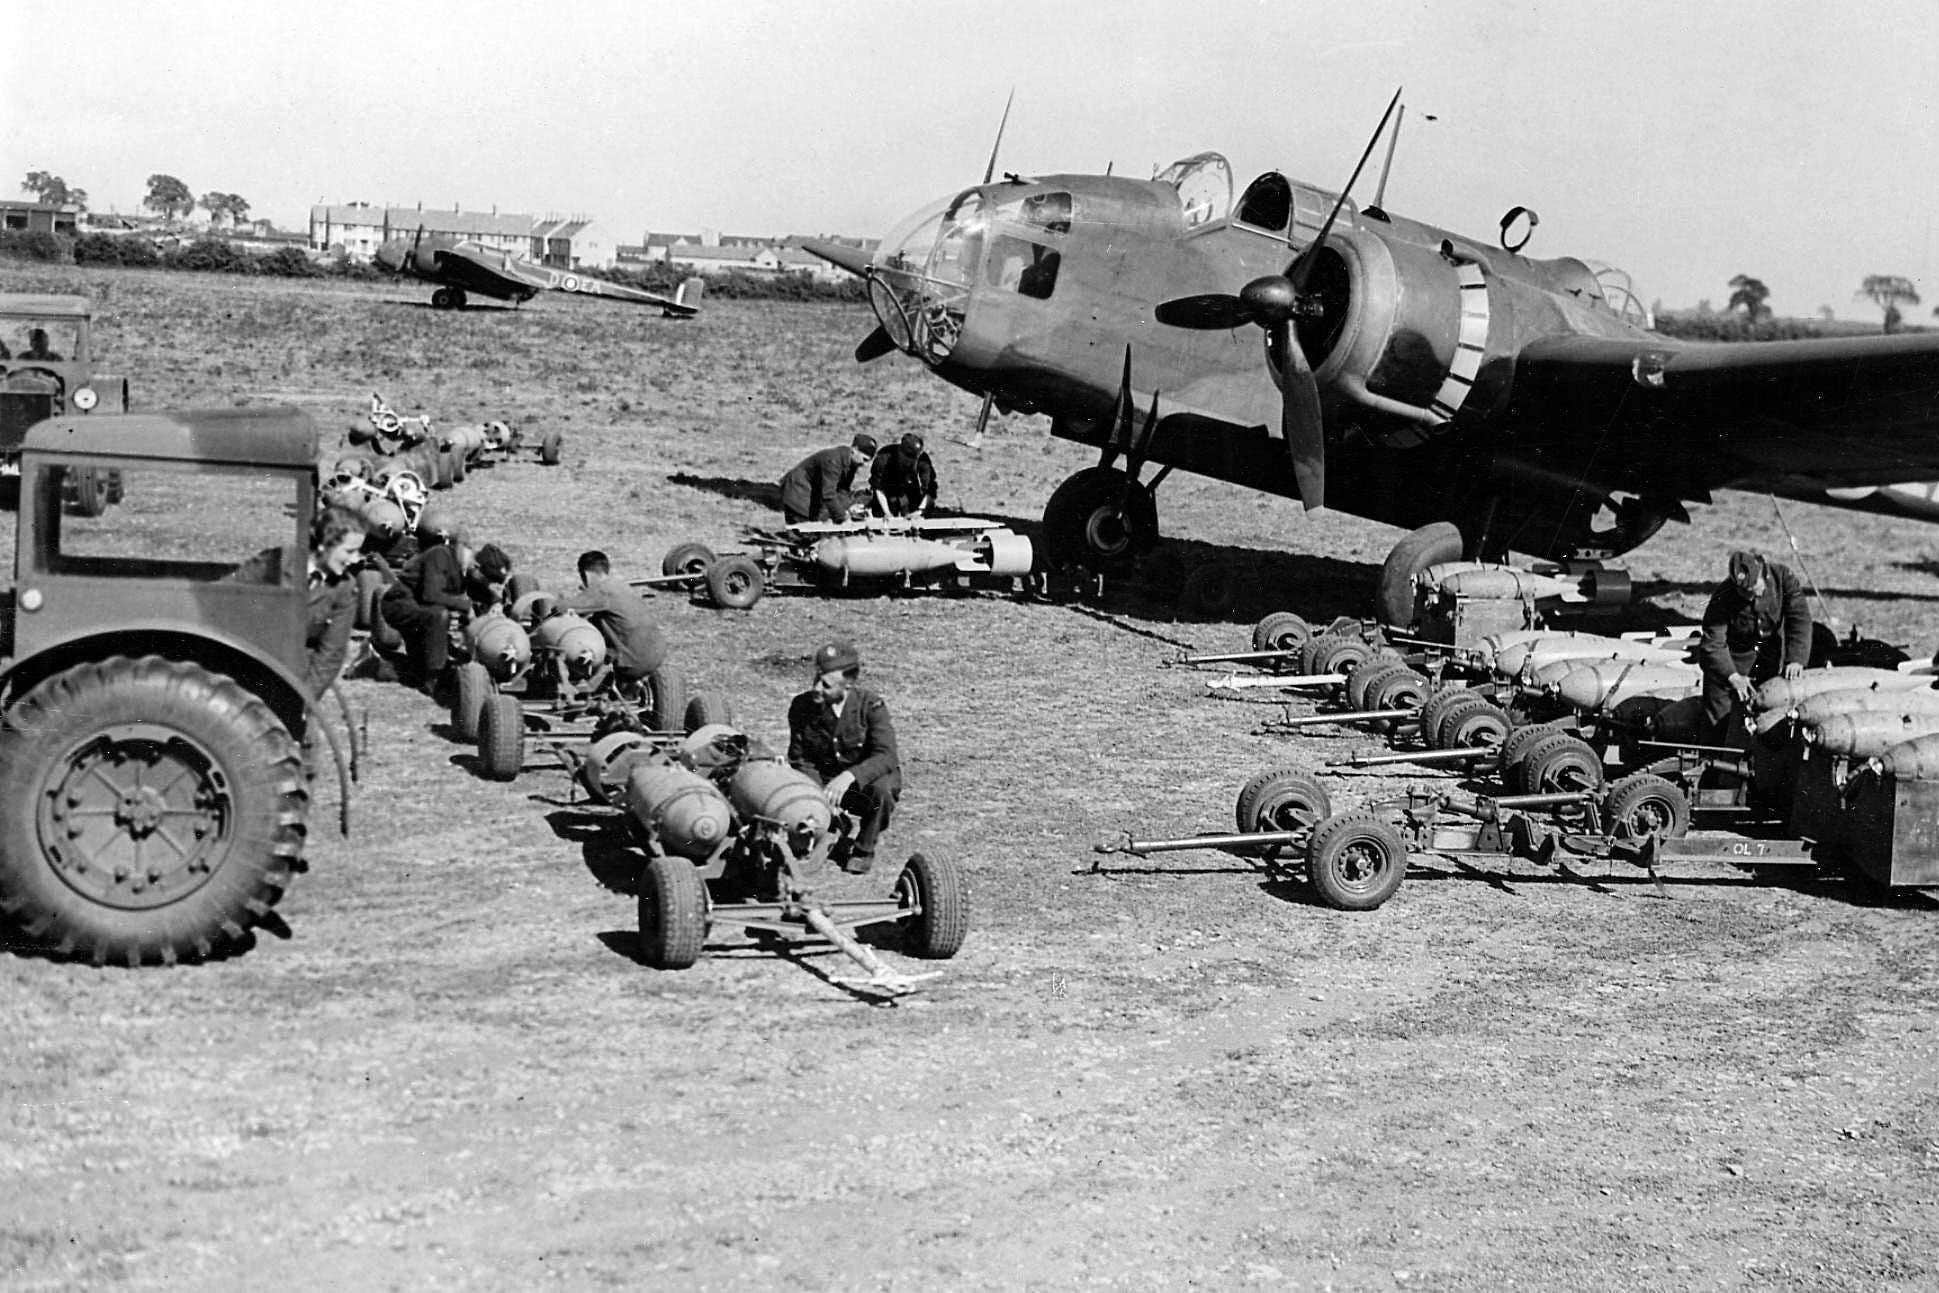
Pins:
<point x="735" y="583"/>
<point x="934" y="892"/>
<point x="1368" y="676"/>
<point x="1287" y="800"/>
<point x="687" y="559"/>
<point x="501" y="737"/>
<point x="1438" y="704"/>
<point x="1342" y="655"/>
<point x="1356" y="861"/>
<point x="1483" y="724"/>
<point x="468" y="698"/>
<point x="1280" y="631"/>
<point x="551" y="448"/>
<point x="704" y="709"/>
<point x="1443" y="730"/>
<point x="1558" y="765"/>
<point x="1643" y="805"/>
<point x="673" y="913"/>
<point x="1518" y="743"/>
<point x="1404" y="689"/>
<point x="666" y="698"/>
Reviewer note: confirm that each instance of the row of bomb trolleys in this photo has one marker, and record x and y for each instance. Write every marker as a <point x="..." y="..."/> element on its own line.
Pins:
<point x="873" y="554"/>
<point x="729" y="838"/>
<point x="1593" y="745"/>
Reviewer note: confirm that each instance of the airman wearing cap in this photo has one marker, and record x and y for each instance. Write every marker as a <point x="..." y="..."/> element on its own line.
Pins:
<point x="839" y="733"/>
<point x="904" y="478"/>
<point x="821" y="487"/>
<point x="427" y="599"/>
<point x="1756" y="627"/>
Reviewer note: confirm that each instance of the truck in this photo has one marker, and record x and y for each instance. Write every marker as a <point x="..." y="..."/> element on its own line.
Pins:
<point x="47" y="370"/>
<point x="154" y="719"/>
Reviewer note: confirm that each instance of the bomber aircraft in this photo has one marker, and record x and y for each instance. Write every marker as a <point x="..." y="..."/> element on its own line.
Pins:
<point x="1409" y="374"/>
<point x="459" y="268"/>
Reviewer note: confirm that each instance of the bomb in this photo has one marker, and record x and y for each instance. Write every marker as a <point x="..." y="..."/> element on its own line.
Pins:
<point x="1863" y="700"/>
<point x="680" y="811"/>
<point x="778" y="793"/>
<point x="1868" y="735"/>
<point x="1605" y="684"/>
<point x="1914" y="760"/>
<point x="1778" y="698"/>
<point x="574" y="640"/>
<point x="1533" y="654"/>
<point x="499" y="643"/>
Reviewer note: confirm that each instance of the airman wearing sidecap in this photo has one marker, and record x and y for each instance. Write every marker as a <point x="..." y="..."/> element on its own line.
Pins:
<point x="1756" y="627"/>
<point x="839" y="733"/>
<point x="821" y="487"/>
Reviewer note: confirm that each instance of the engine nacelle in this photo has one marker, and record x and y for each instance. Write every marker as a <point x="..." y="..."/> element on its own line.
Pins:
<point x="680" y="812"/>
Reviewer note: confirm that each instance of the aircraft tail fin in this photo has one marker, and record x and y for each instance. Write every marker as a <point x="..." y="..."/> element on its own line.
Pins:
<point x="691" y="290"/>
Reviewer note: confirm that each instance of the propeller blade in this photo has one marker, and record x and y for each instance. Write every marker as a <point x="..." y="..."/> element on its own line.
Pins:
<point x="990" y="171"/>
<point x="1300" y="419"/>
<point x="1207" y="312"/>
<point x="839" y="254"/>
<point x="874" y="346"/>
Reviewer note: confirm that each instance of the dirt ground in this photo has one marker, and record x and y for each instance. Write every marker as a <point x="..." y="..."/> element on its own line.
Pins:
<point x="450" y="1071"/>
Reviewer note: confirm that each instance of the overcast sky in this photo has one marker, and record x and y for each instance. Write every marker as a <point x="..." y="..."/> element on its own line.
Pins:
<point x="1686" y="142"/>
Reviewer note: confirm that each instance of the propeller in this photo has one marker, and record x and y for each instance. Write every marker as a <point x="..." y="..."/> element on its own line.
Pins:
<point x="874" y="346"/>
<point x="1272" y="302"/>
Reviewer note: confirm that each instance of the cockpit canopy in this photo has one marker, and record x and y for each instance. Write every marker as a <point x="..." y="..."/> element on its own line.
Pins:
<point x="1204" y="184"/>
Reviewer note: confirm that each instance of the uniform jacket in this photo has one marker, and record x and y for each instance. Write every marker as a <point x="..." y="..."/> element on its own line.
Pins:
<point x="906" y="477"/>
<point x="620" y="614"/>
<point x="333" y="613"/>
<point x="433" y="578"/>
<point x="861" y="741"/>
<point x="1738" y="629"/>
<point x="818" y="487"/>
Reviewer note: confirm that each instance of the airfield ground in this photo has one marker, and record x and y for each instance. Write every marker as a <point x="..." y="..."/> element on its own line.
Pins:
<point x="452" y="1071"/>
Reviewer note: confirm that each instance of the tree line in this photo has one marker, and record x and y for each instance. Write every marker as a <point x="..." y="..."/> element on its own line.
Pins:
<point x="168" y="197"/>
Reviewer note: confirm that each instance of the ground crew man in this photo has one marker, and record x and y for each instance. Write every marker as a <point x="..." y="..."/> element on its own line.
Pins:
<point x="428" y="597"/>
<point x="903" y="478"/>
<point x="839" y="733"/>
<point x="634" y="643"/>
<point x="821" y="487"/>
<point x="1755" y="628"/>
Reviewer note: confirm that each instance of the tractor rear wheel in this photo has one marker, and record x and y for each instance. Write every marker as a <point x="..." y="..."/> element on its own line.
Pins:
<point x="935" y="891"/>
<point x="501" y="737"/>
<point x="154" y="811"/>
<point x="673" y="913"/>
<point x="468" y="697"/>
<point x="1356" y="861"/>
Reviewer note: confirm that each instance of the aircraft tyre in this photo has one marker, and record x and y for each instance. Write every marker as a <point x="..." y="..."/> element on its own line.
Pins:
<point x="442" y="299"/>
<point x="1356" y="861"/>
<point x="1100" y="517"/>
<point x="673" y="913"/>
<point x="935" y="891"/>
<point x="1427" y="546"/>
<point x="157" y="760"/>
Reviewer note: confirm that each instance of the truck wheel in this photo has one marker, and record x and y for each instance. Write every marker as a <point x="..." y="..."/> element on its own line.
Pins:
<point x="673" y="913"/>
<point x="1280" y="631"/>
<point x="90" y="493"/>
<point x="1428" y="546"/>
<point x="501" y="737"/>
<point x="934" y="890"/>
<point x="704" y="709"/>
<point x="666" y="699"/>
<point x="552" y="448"/>
<point x="1356" y="861"/>
<point x="154" y="811"/>
<point x="468" y="698"/>
<point x="1643" y="804"/>
<point x="687" y="559"/>
<point x="735" y="582"/>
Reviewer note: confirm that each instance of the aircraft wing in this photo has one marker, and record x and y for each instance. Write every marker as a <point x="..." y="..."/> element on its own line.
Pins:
<point x="1653" y="413"/>
<point x="480" y="272"/>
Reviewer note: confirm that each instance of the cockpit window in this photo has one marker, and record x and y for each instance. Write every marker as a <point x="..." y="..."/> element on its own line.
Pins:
<point x="1019" y="265"/>
<point x="1268" y="203"/>
<point x="1204" y="184"/>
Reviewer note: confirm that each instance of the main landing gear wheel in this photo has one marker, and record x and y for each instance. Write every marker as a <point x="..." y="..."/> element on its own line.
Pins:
<point x="448" y="298"/>
<point x="1100" y="517"/>
<point x="1428" y="546"/>
<point x="154" y="812"/>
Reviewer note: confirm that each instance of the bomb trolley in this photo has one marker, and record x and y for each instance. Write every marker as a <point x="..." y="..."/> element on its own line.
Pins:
<point x="734" y="840"/>
<point x="1357" y="860"/>
<point x="878" y="554"/>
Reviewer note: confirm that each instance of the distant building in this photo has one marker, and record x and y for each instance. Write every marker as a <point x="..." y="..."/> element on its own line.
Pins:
<point x="573" y="244"/>
<point x="711" y="253"/>
<point x="40" y="217"/>
<point x="357" y="229"/>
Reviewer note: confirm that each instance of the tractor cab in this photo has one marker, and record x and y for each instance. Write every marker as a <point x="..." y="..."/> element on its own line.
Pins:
<point x="47" y="368"/>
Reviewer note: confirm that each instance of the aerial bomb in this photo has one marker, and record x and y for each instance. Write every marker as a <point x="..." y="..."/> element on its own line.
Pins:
<point x="679" y="810"/>
<point x="499" y="643"/>
<point x="1503" y="582"/>
<point x="1867" y="735"/>
<point x="995" y="552"/>
<point x="777" y="793"/>
<point x="1864" y="700"/>
<point x="1786" y="694"/>
<point x="1604" y="684"/>
<point x="574" y="640"/>
<point x="1914" y="760"/>
<point x="1533" y="654"/>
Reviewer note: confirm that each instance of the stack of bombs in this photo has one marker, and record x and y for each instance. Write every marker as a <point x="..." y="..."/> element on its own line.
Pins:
<point x="500" y="645"/>
<point x="1459" y="601"/>
<point x="693" y="800"/>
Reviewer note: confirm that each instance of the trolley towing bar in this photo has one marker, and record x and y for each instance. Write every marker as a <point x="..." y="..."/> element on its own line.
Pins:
<point x="1233" y="657"/>
<point x="1345" y="716"/>
<point x="1234" y="682"/>
<point x="1458" y="754"/>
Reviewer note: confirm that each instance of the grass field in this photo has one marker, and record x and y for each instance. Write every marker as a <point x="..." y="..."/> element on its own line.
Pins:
<point x="452" y="1071"/>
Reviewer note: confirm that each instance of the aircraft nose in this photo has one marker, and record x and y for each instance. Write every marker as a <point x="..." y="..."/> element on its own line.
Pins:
<point x="391" y="256"/>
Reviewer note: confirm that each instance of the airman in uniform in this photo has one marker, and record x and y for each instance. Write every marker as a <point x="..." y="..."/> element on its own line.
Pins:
<point x="1756" y="627"/>
<point x="839" y="733"/>
<point x="821" y="487"/>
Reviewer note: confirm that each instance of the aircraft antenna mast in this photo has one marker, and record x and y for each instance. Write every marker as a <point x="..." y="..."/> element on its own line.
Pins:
<point x="989" y="172"/>
<point x="1380" y="194"/>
